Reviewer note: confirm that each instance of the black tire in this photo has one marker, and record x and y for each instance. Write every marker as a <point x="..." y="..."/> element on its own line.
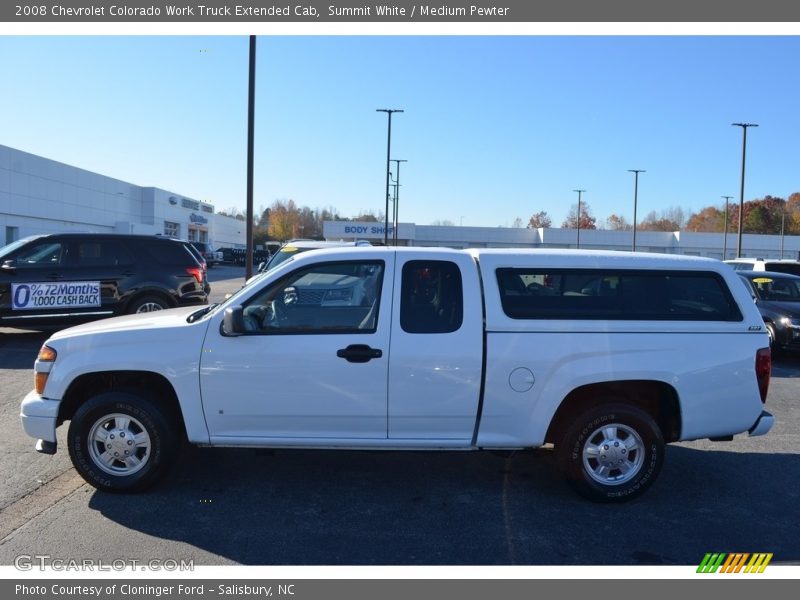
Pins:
<point x="631" y="460"/>
<point x="117" y="416"/>
<point x="149" y="303"/>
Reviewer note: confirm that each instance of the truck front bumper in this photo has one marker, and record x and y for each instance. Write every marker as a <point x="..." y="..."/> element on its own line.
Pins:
<point x="39" y="417"/>
<point x="762" y="425"/>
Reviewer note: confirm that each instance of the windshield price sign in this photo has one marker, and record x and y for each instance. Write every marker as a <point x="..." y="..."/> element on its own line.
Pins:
<point x="77" y="294"/>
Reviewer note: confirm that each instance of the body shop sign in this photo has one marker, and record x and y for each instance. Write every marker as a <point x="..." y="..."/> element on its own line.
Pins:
<point x="77" y="294"/>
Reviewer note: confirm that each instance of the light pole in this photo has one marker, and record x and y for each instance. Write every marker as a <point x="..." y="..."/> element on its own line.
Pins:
<point x="578" y="242"/>
<point x="744" y="127"/>
<point x="388" y="111"/>
<point x="635" y="199"/>
<point x="725" y="234"/>
<point x="397" y="161"/>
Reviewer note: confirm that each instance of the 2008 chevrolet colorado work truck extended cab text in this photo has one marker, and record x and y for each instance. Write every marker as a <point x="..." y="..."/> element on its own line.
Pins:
<point x="606" y="355"/>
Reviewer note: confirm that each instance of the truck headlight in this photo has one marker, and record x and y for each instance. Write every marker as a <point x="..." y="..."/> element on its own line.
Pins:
<point x="41" y="368"/>
<point x="792" y="322"/>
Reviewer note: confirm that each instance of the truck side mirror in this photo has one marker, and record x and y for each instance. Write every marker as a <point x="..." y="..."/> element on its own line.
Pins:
<point x="233" y="321"/>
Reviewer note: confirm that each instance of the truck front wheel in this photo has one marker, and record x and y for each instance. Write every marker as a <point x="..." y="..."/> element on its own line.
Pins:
<point x="611" y="453"/>
<point x="121" y="442"/>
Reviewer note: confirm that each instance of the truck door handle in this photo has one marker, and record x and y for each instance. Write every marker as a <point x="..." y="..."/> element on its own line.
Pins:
<point x="359" y="353"/>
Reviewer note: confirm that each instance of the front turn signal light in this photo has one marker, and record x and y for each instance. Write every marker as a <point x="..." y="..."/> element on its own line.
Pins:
<point x="46" y="354"/>
<point x="42" y="368"/>
<point x="39" y="381"/>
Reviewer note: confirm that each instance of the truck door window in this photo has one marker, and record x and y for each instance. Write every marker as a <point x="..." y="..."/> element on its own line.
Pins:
<point x="342" y="297"/>
<point x="432" y="297"/>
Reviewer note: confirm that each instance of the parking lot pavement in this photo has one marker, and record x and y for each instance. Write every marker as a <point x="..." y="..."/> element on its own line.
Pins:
<point x="236" y="506"/>
<point x="225" y="279"/>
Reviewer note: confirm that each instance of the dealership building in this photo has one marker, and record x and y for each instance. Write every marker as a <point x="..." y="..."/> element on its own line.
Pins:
<point x="672" y="242"/>
<point x="38" y="195"/>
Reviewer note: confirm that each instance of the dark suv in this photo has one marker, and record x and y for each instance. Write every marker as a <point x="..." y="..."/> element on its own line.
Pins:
<point x="62" y="279"/>
<point x="208" y="253"/>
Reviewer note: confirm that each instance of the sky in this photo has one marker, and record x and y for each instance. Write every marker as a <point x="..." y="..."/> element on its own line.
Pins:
<point x="494" y="128"/>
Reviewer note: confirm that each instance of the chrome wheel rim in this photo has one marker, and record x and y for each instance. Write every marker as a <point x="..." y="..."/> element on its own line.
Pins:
<point x="149" y="307"/>
<point x="119" y="444"/>
<point x="613" y="454"/>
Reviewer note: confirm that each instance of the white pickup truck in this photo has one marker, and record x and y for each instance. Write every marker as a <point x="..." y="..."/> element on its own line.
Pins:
<point x="608" y="356"/>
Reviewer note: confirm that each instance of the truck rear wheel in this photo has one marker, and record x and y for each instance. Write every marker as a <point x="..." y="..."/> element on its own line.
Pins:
<point x="611" y="453"/>
<point x="121" y="442"/>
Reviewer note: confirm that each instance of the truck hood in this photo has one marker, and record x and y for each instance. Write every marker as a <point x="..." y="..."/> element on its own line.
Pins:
<point x="162" y="319"/>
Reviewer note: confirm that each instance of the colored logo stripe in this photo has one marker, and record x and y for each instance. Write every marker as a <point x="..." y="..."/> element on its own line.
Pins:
<point x="758" y="563"/>
<point x="734" y="563"/>
<point x="711" y="563"/>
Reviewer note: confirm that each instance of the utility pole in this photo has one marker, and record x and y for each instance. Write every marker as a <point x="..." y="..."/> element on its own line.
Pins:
<point x="251" y="117"/>
<point x="725" y="235"/>
<point x="635" y="200"/>
<point x="744" y="127"/>
<point x="396" y="198"/>
<point x="389" y="112"/>
<point x="578" y="243"/>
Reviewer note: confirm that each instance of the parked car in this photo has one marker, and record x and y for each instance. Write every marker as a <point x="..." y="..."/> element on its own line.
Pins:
<point x="777" y="296"/>
<point x="238" y="256"/>
<point x="193" y="249"/>
<point x="293" y="247"/>
<point x="211" y="256"/>
<point x="62" y="279"/>
<point x="783" y="265"/>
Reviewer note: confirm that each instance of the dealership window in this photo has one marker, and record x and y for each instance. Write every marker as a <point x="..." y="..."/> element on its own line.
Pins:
<point x="197" y="233"/>
<point x="172" y="229"/>
<point x="615" y="295"/>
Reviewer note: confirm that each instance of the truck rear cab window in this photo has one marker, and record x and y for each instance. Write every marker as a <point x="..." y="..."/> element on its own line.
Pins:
<point x="432" y="297"/>
<point x="615" y="295"/>
<point x="340" y="297"/>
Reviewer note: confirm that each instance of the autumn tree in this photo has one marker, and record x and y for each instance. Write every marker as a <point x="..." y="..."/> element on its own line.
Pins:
<point x="670" y="219"/>
<point x="710" y="219"/>
<point x="234" y="213"/>
<point x="587" y="221"/>
<point x="284" y="220"/>
<point x="369" y="217"/>
<point x="793" y="214"/>
<point x="618" y="223"/>
<point x="540" y="220"/>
